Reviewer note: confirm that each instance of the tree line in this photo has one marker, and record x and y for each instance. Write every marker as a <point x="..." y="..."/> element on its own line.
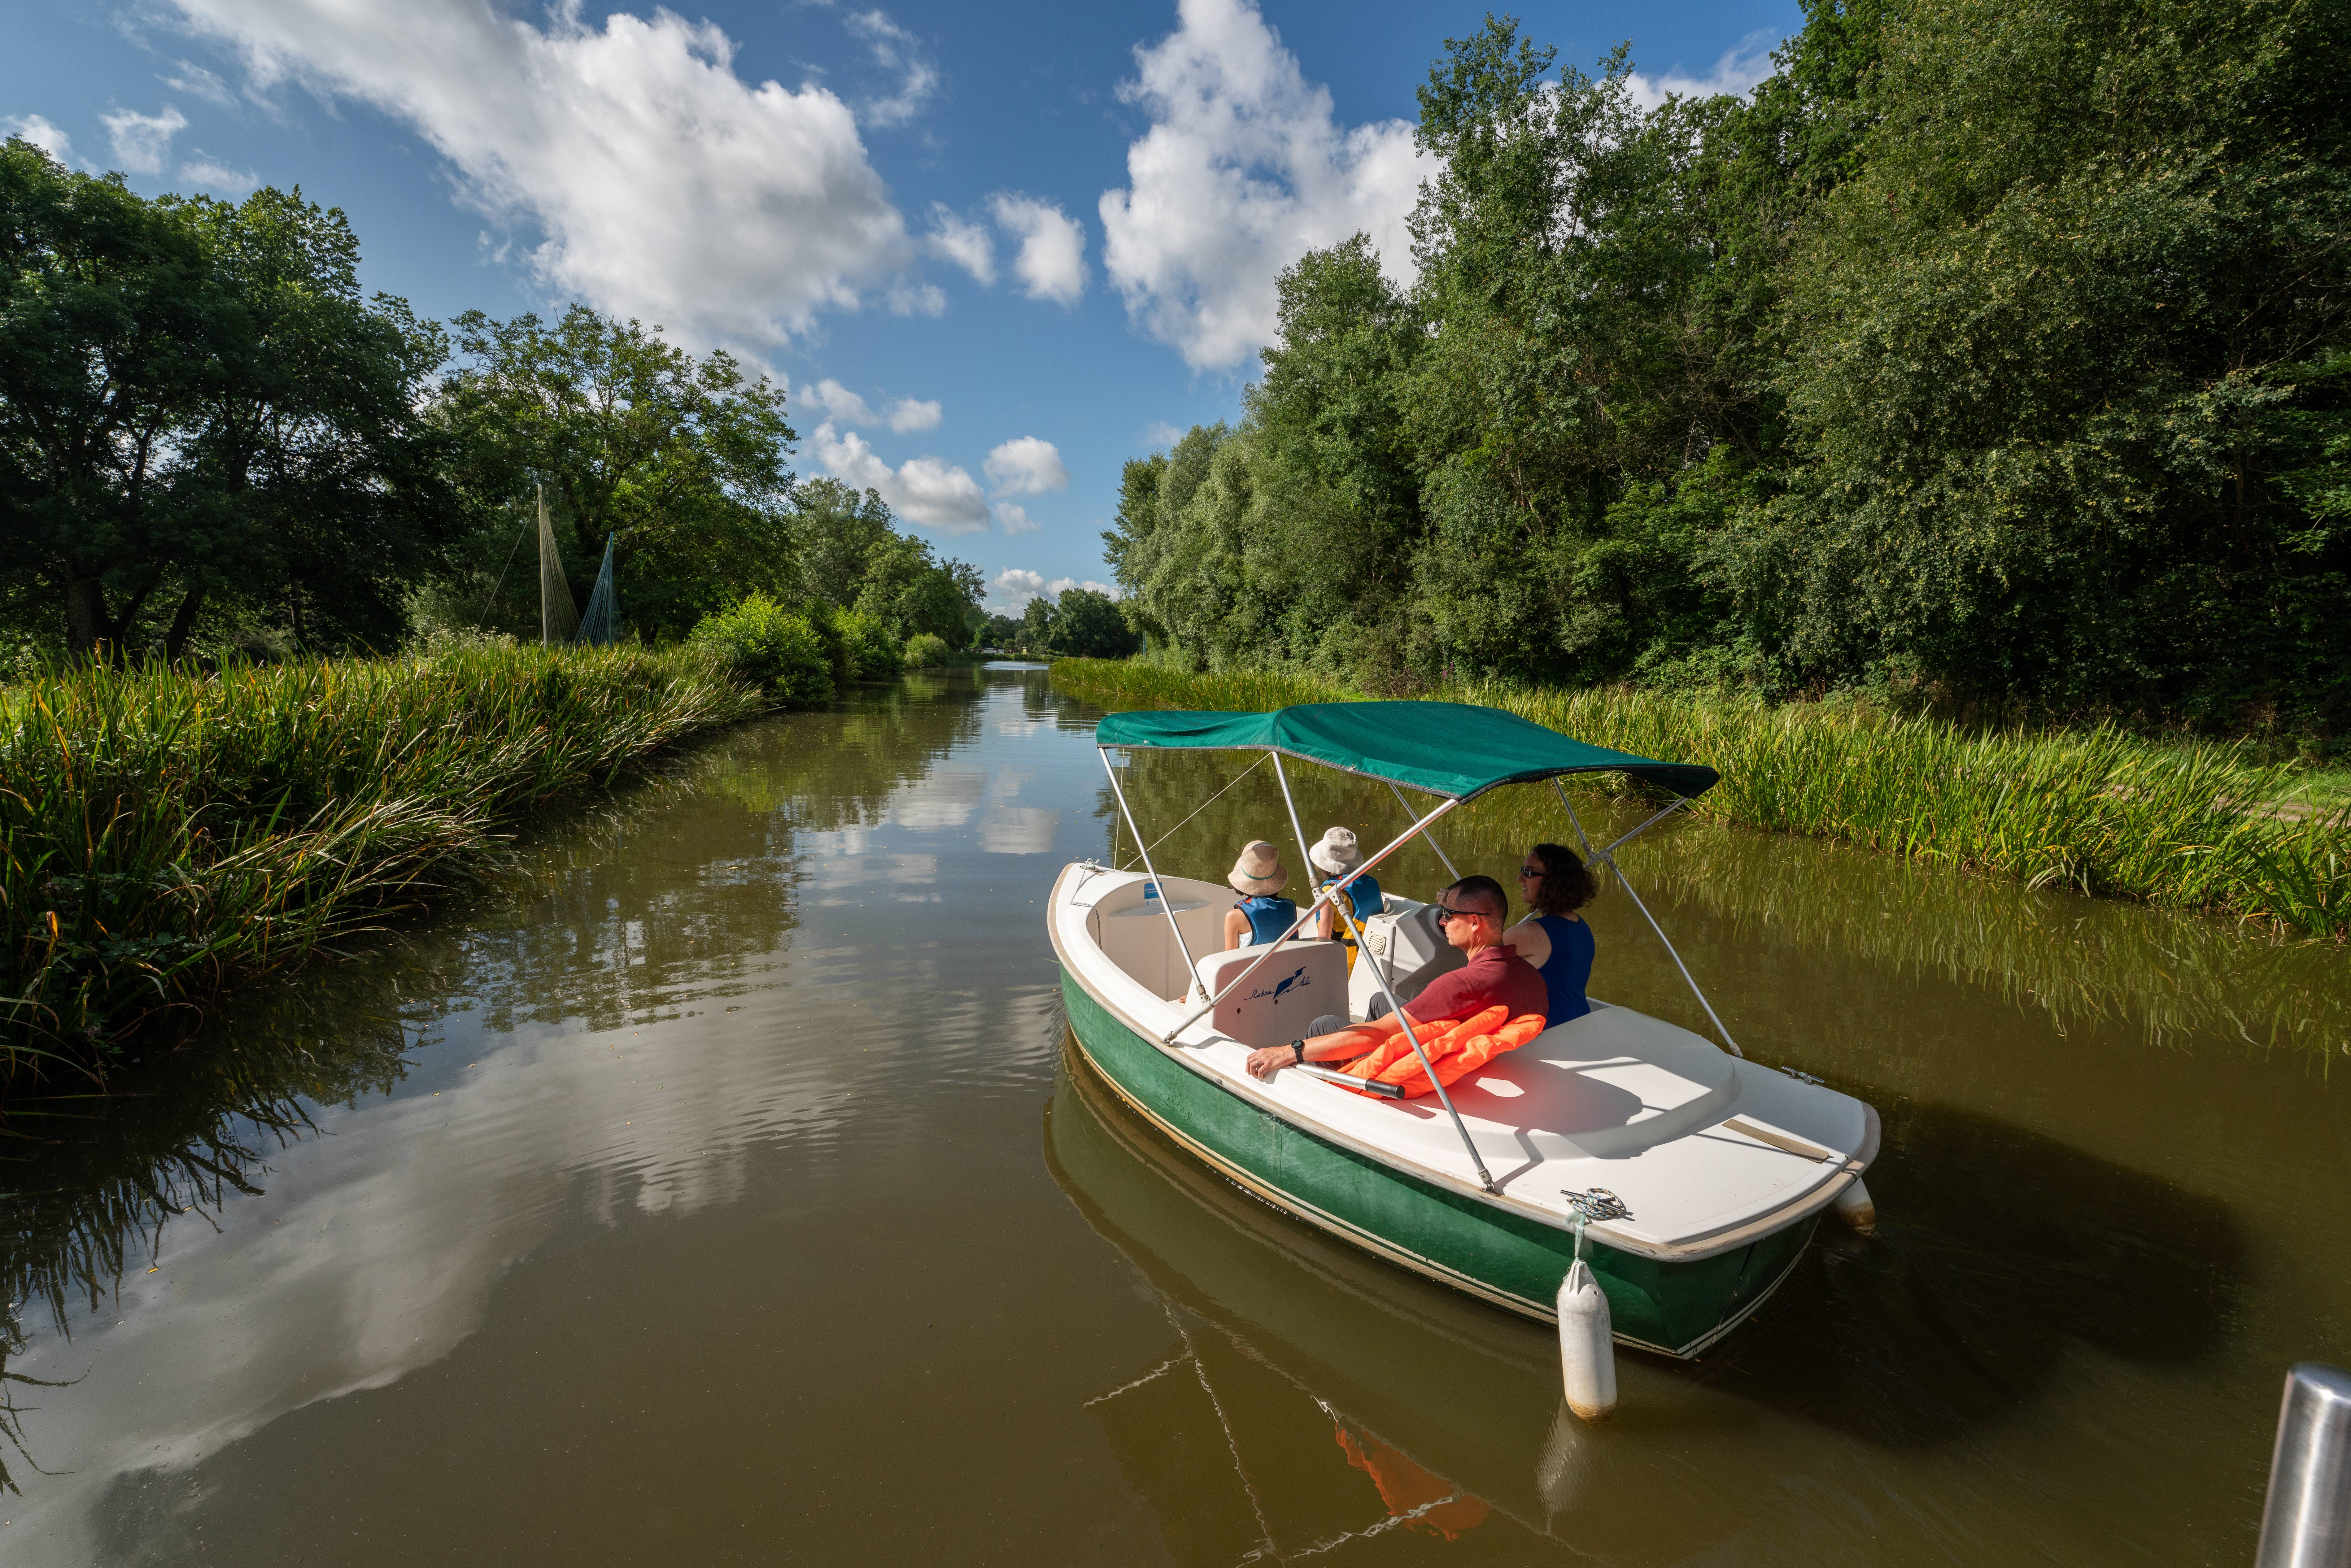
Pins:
<point x="212" y="441"/>
<point x="1984" y="353"/>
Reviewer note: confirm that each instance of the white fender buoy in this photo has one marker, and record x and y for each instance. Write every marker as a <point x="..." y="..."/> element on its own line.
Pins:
<point x="1857" y="1209"/>
<point x="1587" y="1354"/>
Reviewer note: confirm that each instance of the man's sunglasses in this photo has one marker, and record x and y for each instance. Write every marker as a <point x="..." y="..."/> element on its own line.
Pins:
<point x="1445" y="913"/>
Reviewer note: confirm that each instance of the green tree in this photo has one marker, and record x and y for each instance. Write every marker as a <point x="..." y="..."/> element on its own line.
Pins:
<point x="199" y="411"/>
<point x="912" y="592"/>
<point x="1036" y="635"/>
<point x="837" y="528"/>
<point x="2059" y="350"/>
<point x="681" y="459"/>
<point x="313" y="485"/>
<point x="1087" y="625"/>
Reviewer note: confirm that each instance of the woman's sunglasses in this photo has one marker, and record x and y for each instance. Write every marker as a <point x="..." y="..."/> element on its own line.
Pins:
<point x="1531" y="871"/>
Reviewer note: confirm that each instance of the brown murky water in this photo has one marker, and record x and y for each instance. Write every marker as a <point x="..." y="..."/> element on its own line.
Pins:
<point x="719" y="1192"/>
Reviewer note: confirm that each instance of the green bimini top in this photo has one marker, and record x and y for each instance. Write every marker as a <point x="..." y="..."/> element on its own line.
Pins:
<point x="1447" y="748"/>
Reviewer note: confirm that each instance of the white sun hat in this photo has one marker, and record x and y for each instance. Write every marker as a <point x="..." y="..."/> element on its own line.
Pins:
<point x="1336" y="852"/>
<point x="1259" y="871"/>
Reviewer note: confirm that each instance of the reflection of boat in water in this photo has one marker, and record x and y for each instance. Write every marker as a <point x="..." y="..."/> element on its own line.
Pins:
<point x="1313" y="1393"/>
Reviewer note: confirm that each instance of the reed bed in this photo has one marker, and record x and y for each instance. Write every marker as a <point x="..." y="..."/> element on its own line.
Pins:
<point x="165" y="836"/>
<point x="2183" y="824"/>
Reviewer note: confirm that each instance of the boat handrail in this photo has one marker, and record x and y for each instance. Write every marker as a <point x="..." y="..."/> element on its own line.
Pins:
<point x="1165" y="904"/>
<point x="1379" y="978"/>
<point x="1607" y="857"/>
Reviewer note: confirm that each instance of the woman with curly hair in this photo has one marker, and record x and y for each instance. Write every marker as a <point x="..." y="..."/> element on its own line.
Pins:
<point x="1556" y="940"/>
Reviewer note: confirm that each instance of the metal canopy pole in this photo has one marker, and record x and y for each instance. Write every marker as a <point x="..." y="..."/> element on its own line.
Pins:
<point x="1191" y="968"/>
<point x="1340" y="908"/>
<point x="1607" y="857"/>
<point x="1572" y="819"/>
<point x="1449" y="869"/>
<point x="1295" y="926"/>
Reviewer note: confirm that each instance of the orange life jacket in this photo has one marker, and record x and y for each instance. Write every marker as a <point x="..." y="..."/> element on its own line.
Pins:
<point x="1460" y="1050"/>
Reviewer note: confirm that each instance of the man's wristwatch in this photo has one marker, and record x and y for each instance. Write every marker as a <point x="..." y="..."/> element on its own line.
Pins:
<point x="1298" y="1050"/>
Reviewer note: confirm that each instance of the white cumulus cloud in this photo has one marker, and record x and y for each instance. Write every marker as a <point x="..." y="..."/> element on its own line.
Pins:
<point x="965" y="244"/>
<point x="1159" y="433"/>
<point x="664" y="186"/>
<point x="894" y="49"/>
<point x="925" y="490"/>
<point x="839" y="402"/>
<point x="1027" y="467"/>
<point x="141" y="142"/>
<point x="209" y="173"/>
<point x="1243" y="170"/>
<point x="1737" y="73"/>
<point x="1013" y="589"/>
<point x="197" y="82"/>
<point x="1015" y="519"/>
<point x="1051" y="261"/>
<point x="918" y="299"/>
<point x="38" y="131"/>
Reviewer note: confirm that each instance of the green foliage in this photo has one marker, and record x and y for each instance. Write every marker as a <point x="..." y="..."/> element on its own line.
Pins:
<point x="2186" y="825"/>
<point x="682" y="459"/>
<point x="873" y="650"/>
<point x="203" y="422"/>
<point x="836" y="528"/>
<point x="1088" y="625"/>
<point x="911" y="591"/>
<point x="164" y="836"/>
<point x="926" y="651"/>
<point x="772" y="647"/>
<point x="1999" y="354"/>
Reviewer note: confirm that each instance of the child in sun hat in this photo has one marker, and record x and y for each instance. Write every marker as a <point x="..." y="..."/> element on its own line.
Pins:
<point x="1260" y="917"/>
<point x="1336" y="853"/>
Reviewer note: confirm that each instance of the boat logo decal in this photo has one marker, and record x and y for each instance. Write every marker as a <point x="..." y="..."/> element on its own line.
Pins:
<point x="1297" y="977"/>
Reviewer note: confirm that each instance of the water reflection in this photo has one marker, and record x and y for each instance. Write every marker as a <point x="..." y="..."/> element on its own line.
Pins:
<point x="681" y="1200"/>
<point x="1908" y="1356"/>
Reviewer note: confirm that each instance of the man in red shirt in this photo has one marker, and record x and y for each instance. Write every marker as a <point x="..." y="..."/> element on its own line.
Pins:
<point x="1473" y="911"/>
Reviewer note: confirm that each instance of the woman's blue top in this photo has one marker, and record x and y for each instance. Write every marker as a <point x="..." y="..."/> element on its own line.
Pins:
<point x="1569" y="969"/>
<point x="1364" y="894"/>
<point x="1268" y="917"/>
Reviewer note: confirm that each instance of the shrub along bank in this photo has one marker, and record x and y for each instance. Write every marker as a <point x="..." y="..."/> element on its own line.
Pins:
<point x="164" y="836"/>
<point x="2095" y="810"/>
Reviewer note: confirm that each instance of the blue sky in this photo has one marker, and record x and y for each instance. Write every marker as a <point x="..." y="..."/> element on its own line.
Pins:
<point x="996" y="251"/>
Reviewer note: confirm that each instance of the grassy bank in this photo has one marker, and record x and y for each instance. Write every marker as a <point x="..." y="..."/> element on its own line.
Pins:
<point x="165" y="836"/>
<point x="2182" y="824"/>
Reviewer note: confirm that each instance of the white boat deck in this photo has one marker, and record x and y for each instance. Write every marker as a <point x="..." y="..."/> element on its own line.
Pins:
<point x="1701" y="1148"/>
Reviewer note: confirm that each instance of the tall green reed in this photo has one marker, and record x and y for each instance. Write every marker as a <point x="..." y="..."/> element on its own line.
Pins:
<point x="164" y="836"/>
<point x="2181" y="824"/>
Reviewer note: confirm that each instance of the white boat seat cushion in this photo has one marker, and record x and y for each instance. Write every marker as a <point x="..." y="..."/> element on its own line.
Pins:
<point x="1279" y="1002"/>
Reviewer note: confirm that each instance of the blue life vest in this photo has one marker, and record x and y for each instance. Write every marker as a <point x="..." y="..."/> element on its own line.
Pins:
<point x="1363" y="892"/>
<point x="1569" y="969"/>
<point x="1268" y="917"/>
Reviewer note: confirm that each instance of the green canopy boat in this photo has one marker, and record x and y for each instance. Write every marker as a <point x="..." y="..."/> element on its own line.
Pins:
<point x="1690" y="1179"/>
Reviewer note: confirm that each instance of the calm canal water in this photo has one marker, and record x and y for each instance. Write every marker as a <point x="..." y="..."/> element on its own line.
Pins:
<point x="718" y="1189"/>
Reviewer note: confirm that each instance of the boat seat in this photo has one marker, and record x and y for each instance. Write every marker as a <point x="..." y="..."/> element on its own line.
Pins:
<point x="1282" y="1000"/>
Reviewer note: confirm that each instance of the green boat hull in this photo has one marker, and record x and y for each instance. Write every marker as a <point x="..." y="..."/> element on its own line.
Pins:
<point x="1513" y="1260"/>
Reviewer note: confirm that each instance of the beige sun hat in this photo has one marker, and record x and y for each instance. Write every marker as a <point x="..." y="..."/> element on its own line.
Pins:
<point x="1259" y="871"/>
<point x="1336" y="852"/>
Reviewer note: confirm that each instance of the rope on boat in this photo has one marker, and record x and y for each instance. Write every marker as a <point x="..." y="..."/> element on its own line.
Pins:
<point x="1196" y="810"/>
